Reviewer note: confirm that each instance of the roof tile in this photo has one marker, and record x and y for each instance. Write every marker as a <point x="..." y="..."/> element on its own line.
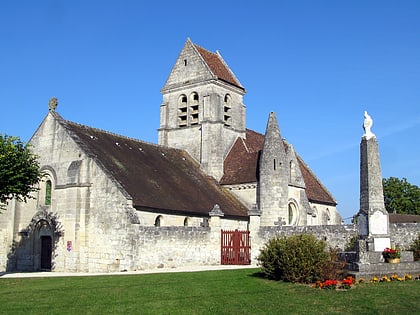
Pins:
<point x="218" y="67"/>
<point x="241" y="166"/>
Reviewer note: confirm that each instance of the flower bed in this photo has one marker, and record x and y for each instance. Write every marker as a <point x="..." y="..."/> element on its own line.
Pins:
<point x="329" y="284"/>
<point x="348" y="282"/>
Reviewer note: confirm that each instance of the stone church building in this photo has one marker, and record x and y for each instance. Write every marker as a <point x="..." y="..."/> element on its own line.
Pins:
<point x="112" y="203"/>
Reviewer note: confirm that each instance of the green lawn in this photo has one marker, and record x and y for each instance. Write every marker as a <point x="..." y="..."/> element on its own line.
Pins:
<point x="213" y="292"/>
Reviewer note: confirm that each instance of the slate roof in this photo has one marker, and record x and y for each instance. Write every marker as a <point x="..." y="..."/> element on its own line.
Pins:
<point x="241" y="166"/>
<point x="218" y="67"/>
<point x="155" y="177"/>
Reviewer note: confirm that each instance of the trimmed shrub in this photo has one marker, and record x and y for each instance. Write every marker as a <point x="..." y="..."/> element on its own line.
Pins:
<point x="298" y="258"/>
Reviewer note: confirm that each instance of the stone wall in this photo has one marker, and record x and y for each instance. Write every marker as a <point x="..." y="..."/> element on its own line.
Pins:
<point x="171" y="247"/>
<point x="404" y="234"/>
<point x="336" y="236"/>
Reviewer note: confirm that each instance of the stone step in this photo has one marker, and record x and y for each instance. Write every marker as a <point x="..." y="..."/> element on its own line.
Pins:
<point x="373" y="257"/>
<point x="358" y="270"/>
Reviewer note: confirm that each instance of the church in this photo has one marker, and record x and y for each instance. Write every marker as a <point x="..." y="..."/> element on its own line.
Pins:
<point x="112" y="203"/>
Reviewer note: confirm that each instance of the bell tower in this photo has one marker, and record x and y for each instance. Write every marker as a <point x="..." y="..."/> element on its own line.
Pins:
<point x="202" y="110"/>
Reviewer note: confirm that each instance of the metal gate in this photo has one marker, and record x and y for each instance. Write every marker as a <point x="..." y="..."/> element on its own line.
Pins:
<point x="235" y="248"/>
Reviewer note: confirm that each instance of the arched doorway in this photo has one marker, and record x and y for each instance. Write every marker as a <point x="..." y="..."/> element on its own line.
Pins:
<point x="43" y="246"/>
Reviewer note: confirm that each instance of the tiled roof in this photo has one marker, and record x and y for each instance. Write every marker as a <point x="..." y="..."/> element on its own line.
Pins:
<point x="218" y="66"/>
<point x="156" y="177"/>
<point x="241" y="163"/>
<point x="241" y="166"/>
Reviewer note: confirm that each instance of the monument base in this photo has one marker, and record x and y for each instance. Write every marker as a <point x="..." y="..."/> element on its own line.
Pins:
<point x="374" y="265"/>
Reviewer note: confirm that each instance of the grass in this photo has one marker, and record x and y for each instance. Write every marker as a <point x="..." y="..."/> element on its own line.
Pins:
<point x="212" y="292"/>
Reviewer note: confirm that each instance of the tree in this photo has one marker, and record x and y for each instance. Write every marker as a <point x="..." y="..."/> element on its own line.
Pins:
<point x="19" y="170"/>
<point x="400" y="196"/>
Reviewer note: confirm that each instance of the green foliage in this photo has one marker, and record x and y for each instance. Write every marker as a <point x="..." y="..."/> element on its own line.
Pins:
<point x="351" y="244"/>
<point x="415" y="247"/>
<point x="299" y="258"/>
<point x="19" y="170"/>
<point x="400" y="196"/>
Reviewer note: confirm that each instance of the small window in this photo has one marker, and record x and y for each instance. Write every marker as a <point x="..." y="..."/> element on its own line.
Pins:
<point x="48" y="188"/>
<point x="292" y="213"/>
<point x="158" y="221"/>
<point x="185" y="62"/>
<point x="186" y="221"/>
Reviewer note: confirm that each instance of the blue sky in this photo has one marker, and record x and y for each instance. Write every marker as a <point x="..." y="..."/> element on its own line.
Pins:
<point x="317" y="64"/>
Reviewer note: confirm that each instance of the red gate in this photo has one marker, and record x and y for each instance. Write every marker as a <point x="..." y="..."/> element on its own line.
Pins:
<point x="235" y="248"/>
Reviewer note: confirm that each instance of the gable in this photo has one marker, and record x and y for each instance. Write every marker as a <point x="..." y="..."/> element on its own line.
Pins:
<point x="196" y="64"/>
<point x="156" y="177"/>
<point x="241" y="166"/>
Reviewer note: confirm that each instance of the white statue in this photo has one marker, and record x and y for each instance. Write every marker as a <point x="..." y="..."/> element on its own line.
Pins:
<point x="367" y="124"/>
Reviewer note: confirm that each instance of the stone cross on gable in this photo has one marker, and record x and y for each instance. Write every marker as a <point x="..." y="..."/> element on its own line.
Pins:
<point x="52" y="104"/>
<point x="280" y="222"/>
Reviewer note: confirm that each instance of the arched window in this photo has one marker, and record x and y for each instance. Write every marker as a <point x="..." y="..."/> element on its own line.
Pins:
<point x="186" y="221"/>
<point x="328" y="214"/>
<point x="158" y="221"/>
<point x="73" y="172"/>
<point x="314" y="212"/>
<point x="48" y="188"/>
<point x="292" y="213"/>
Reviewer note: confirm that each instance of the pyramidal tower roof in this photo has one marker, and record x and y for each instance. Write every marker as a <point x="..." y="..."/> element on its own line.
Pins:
<point x="208" y="66"/>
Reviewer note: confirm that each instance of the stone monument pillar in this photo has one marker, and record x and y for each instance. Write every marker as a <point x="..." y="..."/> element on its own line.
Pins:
<point x="373" y="221"/>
